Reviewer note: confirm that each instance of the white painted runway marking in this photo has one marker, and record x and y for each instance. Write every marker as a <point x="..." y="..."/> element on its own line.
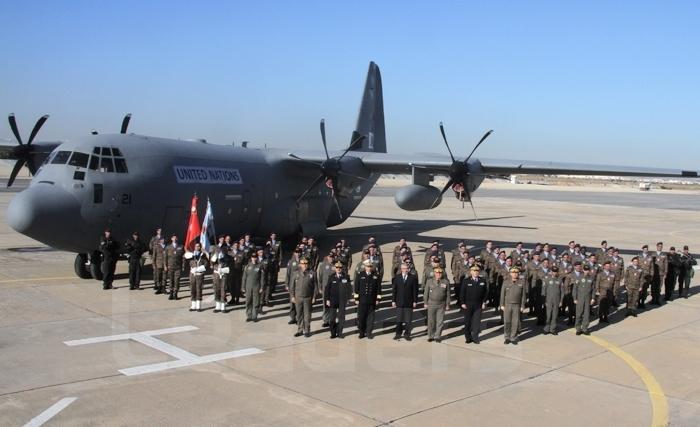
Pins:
<point x="183" y="358"/>
<point x="50" y="412"/>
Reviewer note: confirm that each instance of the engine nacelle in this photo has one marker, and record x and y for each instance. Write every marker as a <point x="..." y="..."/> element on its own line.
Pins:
<point x="417" y="197"/>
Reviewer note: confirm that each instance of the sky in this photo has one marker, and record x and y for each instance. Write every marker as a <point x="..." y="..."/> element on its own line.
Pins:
<point x="578" y="81"/>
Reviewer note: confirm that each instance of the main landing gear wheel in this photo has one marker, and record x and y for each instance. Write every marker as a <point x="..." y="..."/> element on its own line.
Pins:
<point x="81" y="266"/>
<point x="96" y="266"/>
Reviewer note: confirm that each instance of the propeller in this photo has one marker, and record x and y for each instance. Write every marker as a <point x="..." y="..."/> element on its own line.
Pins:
<point x="331" y="168"/>
<point x="23" y="152"/>
<point x="459" y="173"/>
<point x="125" y="125"/>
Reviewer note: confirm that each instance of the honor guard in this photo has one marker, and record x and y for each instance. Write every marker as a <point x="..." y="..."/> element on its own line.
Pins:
<point x="473" y="291"/>
<point x="135" y="249"/>
<point x="158" y="260"/>
<point x="582" y="290"/>
<point x="552" y="295"/>
<point x="220" y="261"/>
<point x="336" y="293"/>
<point x="110" y="253"/>
<point x="404" y="298"/>
<point x="252" y="282"/>
<point x="513" y="299"/>
<point x="173" y="266"/>
<point x="198" y="261"/>
<point x="634" y="275"/>
<point x="368" y="288"/>
<point x="437" y="301"/>
<point x="304" y="288"/>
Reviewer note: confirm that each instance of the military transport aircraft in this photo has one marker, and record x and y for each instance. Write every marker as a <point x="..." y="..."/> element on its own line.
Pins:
<point x="133" y="182"/>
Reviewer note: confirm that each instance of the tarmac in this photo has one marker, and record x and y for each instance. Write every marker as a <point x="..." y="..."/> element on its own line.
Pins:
<point x="73" y="354"/>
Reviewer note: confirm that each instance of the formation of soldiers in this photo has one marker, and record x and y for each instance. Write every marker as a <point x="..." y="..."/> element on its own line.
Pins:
<point x="540" y="282"/>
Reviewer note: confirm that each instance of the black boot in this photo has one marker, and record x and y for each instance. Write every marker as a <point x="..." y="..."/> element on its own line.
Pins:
<point x="171" y="296"/>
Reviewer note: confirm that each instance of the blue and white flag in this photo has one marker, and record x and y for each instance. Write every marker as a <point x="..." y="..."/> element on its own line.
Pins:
<point x="208" y="236"/>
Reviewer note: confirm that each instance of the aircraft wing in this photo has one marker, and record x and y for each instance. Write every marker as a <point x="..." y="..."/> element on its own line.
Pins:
<point x="438" y="164"/>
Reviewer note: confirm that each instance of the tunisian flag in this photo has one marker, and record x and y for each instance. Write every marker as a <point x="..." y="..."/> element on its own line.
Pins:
<point x="193" y="228"/>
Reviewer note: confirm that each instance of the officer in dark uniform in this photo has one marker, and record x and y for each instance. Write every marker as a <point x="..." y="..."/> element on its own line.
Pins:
<point x="367" y="295"/>
<point x="473" y="292"/>
<point x="336" y="294"/>
<point x="674" y="266"/>
<point x="686" y="272"/>
<point x="404" y="298"/>
<point x="110" y="252"/>
<point x="135" y="248"/>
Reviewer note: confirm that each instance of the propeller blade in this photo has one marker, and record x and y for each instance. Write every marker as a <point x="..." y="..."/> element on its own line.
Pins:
<point x="444" y="189"/>
<point x="311" y="187"/>
<point x="37" y="126"/>
<point x="323" y="137"/>
<point x="337" y="203"/>
<point x="15" y="171"/>
<point x="483" y="138"/>
<point x="352" y="145"/>
<point x="13" y="126"/>
<point x="444" y="138"/>
<point x="125" y="123"/>
<point x="469" y="196"/>
<point x="294" y="156"/>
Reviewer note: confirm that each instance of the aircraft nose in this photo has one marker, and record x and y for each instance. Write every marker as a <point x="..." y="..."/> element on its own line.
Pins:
<point x="43" y="211"/>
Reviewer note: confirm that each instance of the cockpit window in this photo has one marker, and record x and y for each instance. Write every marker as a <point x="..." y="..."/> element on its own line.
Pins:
<point x="96" y="150"/>
<point x="61" y="158"/>
<point x="106" y="151"/>
<point x="79" y="159"/>
<point x="94" y="162"/>
<point x="120" y="165"/>
<point x="106" y="165"/>
<point x="116" y="152"/>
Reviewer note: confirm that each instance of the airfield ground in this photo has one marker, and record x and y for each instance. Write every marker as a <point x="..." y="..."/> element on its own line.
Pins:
<point x="634" y="372"/>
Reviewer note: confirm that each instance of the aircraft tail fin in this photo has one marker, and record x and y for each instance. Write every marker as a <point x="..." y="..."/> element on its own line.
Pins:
<point x="370" y="121"/>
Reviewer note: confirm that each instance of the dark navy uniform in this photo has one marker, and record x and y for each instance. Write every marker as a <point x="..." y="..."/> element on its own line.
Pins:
<point x="473" y="292"/>
<point x="367" y="293"/>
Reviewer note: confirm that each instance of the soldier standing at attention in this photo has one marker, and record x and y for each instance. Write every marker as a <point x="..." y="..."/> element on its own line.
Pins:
<point x="687" y="272"/>
<point x="646" y="261"/>
<point x="368" y="288"/>
<point x="252" y="281"/>
<point x="325" y="271"/>
<point x="238" y="261"/>
<point x="602" y="252"/>
<point x="220" y="261"/>
<point x="633" y="282"/>
<point x="513" y="299"/>
<point x="158" y="261"/>
<point x="552" y="295"/>
<point x="672" y="272"/>
<point x="568" y="291"/>
<point x="404" y="298"/>
<point x="473" y="292"/>
<point x="275" y="264"/>
<point x="265" y="265"/>
<point x="303" y="289"/>
<point x="110" y="252"/>
<point x="660" y="265"/>
<point x="583" y="298"/>
<point x="336" y="294"/>
<point x="157" y="235"/>
<point x="437" y="301"/>
<point x="198" y="266"/>
<point x="173" y="266"/>
<point x="517" y="253"/>
<point x="617" y="266"/>
<point x="292" y="268"/>
<point x="135" y="250"/>
<point x="532" y="272"/>
<point x="604" y="285"/>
